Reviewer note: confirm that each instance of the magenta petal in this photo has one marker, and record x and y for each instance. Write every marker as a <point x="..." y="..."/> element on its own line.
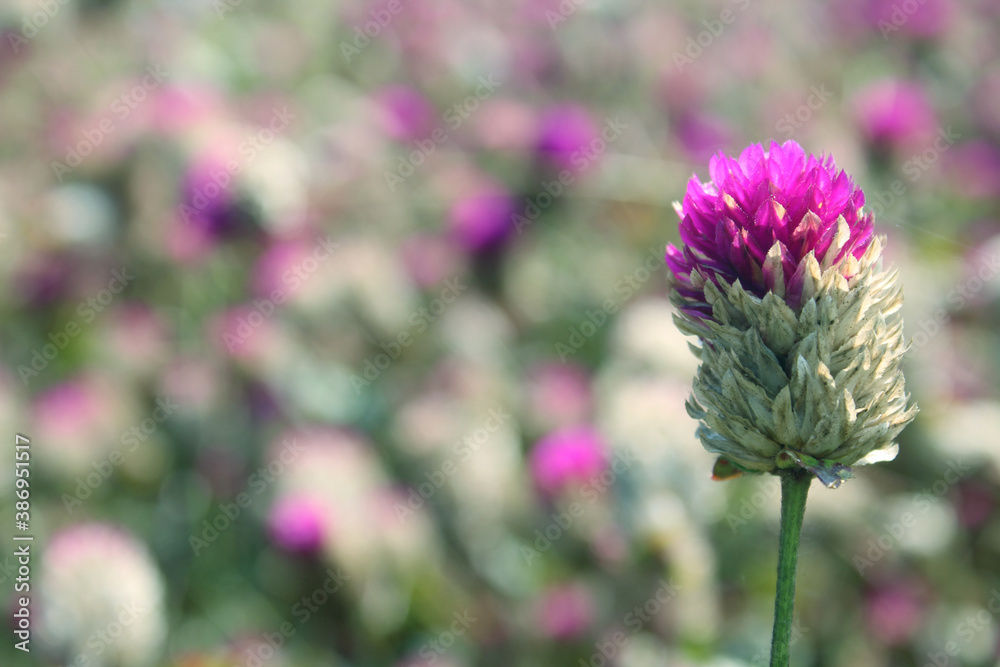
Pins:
<point x="757" y="250"/>
<point x="788" y="262"/>
<point x="808" y="230"/>
<point x="739" y="257"/>
<point x="793" y="285"/>
<point x="781" y="195"/>
<point x="825" y="239"/>
<point x="752" y="160"/>
<point x="676" y="263"/>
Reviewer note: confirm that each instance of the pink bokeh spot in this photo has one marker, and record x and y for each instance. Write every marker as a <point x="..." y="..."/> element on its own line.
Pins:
<point x="565" y="613"/>
<point x="243" y="332"/>
<point x="560" y="392"/>
<point x="430" y="259"/>
<point x="404" y="113"/>
<point x="566" y="457"/>
<point x="274" y="273"/>
<point x="894" y="612"/>
<point x="296" y="523"/>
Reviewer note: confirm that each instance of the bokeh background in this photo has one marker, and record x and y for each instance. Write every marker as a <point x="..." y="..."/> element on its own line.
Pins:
<point x="340" y="331"/>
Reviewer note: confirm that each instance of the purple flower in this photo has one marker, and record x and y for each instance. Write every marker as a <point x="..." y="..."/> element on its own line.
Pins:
<point x="760" y="217"/>
<point x="209" y="200"/>
<point x="404" y="113"/>
<point x="893" y="113"/>
<point x="568" y="456"/>
<point x="564" y="131"/>
<point x="44" y="278"/>
<point x="699" y="133"/>
<point x="482" y="220"/>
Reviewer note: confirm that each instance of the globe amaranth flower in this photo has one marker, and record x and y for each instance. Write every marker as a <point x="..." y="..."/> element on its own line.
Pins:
<point x="801" y="335"/>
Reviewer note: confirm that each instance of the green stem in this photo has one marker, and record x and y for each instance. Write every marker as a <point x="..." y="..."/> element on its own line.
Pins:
<point x="794" y="487"/>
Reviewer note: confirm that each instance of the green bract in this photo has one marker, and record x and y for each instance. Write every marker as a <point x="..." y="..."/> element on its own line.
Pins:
<point x="778" y="388"/>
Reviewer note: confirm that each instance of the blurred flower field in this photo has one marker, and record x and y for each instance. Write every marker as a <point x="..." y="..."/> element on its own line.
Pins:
<point x="340" y="332"/>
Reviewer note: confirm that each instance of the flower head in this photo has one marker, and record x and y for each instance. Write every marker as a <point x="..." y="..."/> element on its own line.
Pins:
<point x="761" y="217"/>
<point x="780" y="277"/>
